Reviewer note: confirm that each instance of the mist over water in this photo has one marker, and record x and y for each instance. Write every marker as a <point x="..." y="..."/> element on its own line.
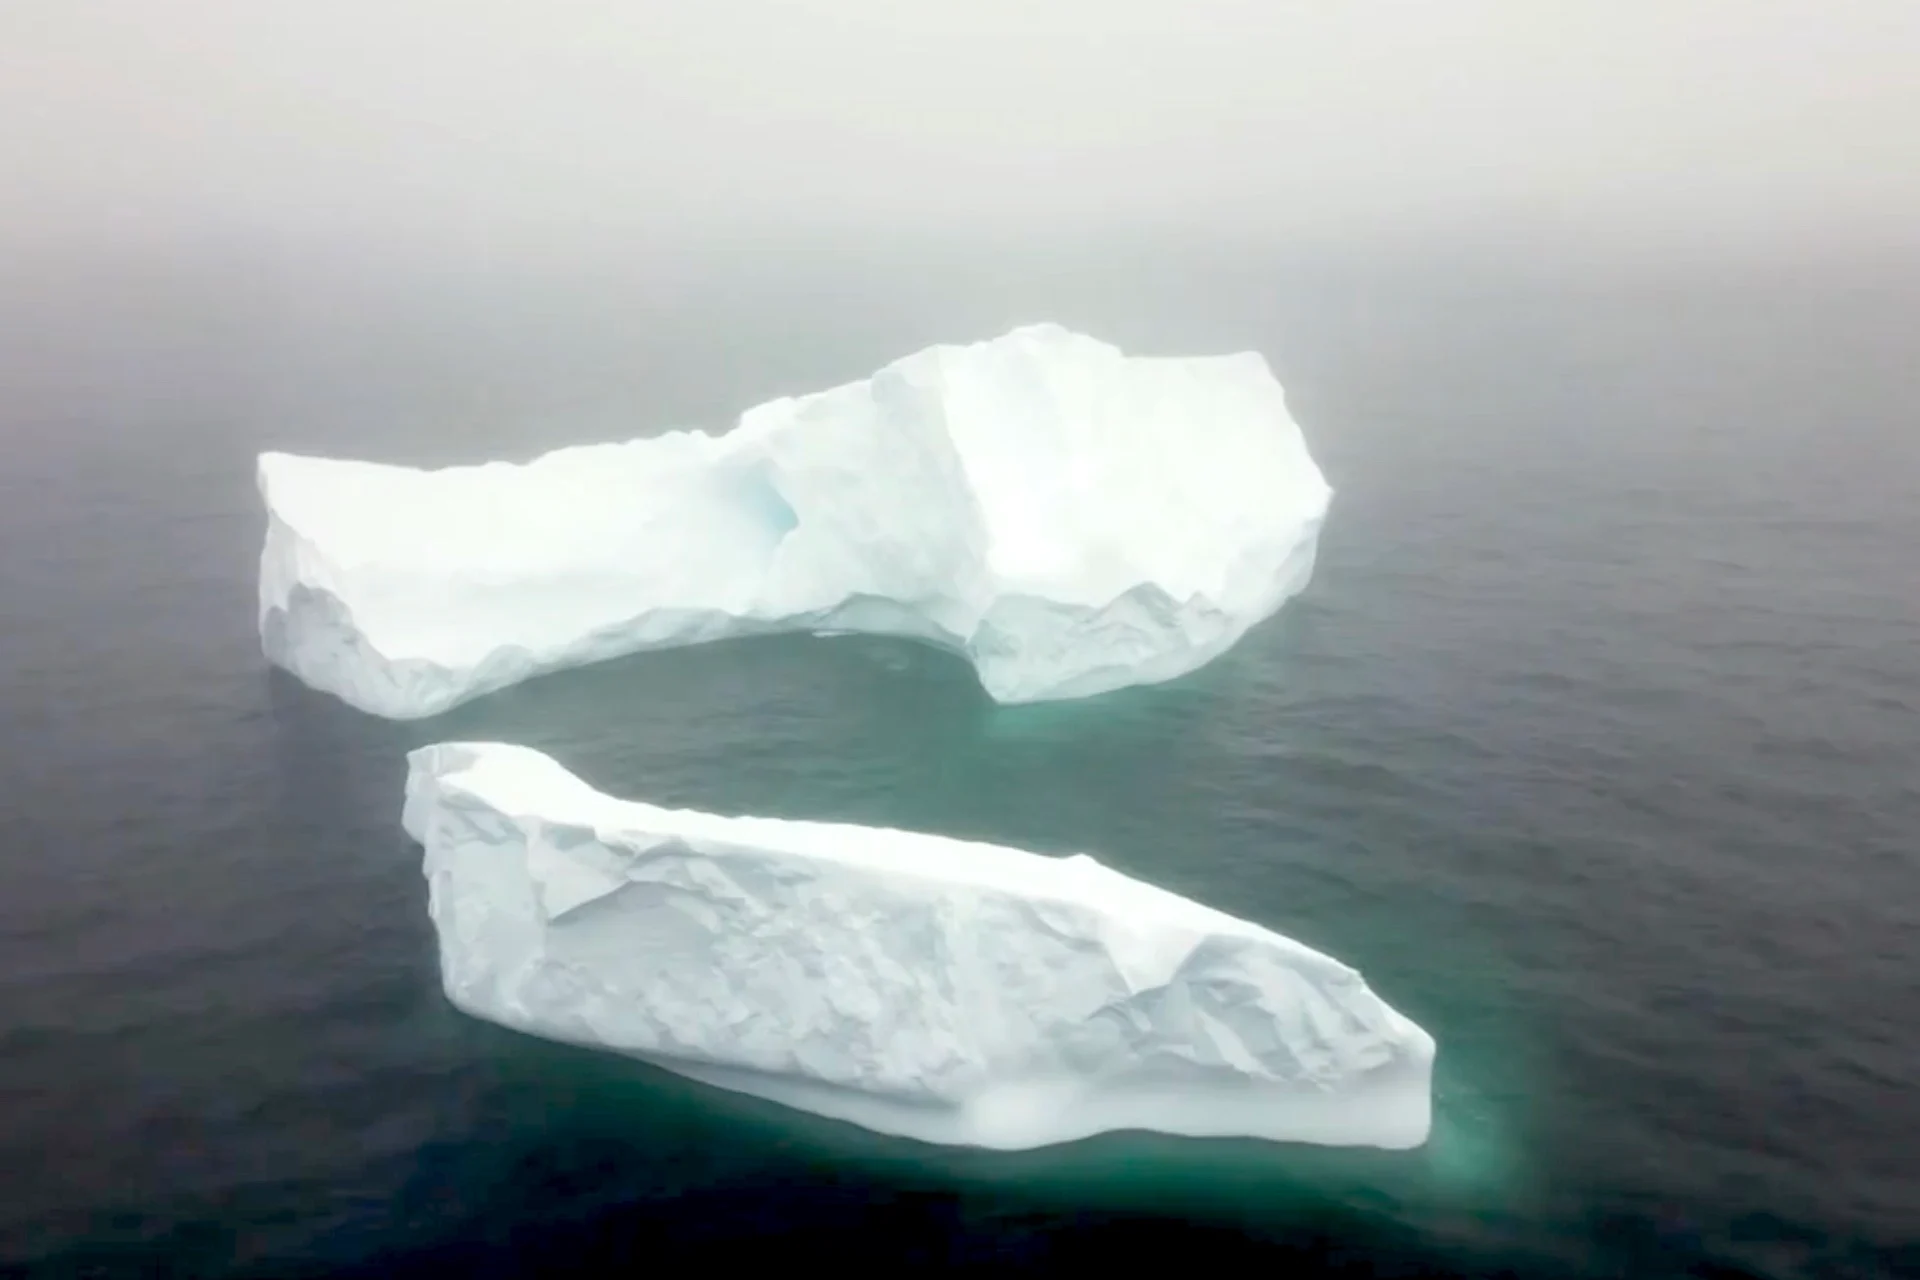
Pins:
<point x="1592" y="743"/>
<point x="1750" y="128"/>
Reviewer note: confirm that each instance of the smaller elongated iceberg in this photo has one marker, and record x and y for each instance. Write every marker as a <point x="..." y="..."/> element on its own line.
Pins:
<point x="941" y="989"/>
<point x="1068" y="518"/>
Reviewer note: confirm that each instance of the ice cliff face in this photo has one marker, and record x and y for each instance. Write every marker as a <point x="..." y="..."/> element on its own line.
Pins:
<point x="1070" y="519"/>
<point x="941" y="989"/>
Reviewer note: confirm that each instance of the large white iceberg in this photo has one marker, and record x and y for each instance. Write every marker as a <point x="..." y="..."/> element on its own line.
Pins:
<point x="941" y="989"/>
<point x="1070" y="519"/>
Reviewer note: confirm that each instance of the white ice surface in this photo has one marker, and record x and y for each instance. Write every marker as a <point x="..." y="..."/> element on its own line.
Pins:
<point x="941" y="989"/>
<point x="1070" y="519"/>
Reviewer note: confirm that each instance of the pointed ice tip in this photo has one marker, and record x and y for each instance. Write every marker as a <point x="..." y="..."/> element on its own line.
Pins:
<point x="265" y="466"/>
<point x="1046" y="330"/>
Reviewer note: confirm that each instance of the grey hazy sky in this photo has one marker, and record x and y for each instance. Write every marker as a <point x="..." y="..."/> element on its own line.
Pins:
<point x="553" y="122"/>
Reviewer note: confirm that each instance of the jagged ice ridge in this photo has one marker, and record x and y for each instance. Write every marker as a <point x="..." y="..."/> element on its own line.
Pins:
<point x="946" y="990"/>
<point x="1070" y="519"/>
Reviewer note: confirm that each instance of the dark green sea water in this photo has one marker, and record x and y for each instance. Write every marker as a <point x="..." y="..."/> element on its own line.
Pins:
<point x="1595" y="744"/>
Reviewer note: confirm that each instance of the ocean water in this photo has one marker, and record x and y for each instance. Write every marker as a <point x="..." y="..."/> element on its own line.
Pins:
<point x="1595" y="744"/>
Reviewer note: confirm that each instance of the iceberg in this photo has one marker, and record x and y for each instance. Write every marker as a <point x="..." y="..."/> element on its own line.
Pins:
<point x="939" y="989"/>
<point x="1070" y="519"/>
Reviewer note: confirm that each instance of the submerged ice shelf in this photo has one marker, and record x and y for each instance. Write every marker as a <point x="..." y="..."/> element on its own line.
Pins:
<point x="1068" y="518"/>
<point x="945" y="990"/>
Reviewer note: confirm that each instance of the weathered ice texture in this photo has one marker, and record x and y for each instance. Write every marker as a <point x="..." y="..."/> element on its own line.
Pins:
<point x="1070" y="519"/>
<point x="946" y="990"/>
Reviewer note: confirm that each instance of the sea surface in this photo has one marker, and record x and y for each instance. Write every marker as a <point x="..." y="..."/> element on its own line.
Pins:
<point x="1594" y="744"/>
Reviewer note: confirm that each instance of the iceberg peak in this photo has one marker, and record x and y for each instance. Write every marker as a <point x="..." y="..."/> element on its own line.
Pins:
<point x="1068" y="518"/>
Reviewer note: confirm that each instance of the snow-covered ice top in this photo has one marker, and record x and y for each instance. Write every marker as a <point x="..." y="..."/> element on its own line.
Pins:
<point x="941" y="989"/>
<point x="1069" y="518"/>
